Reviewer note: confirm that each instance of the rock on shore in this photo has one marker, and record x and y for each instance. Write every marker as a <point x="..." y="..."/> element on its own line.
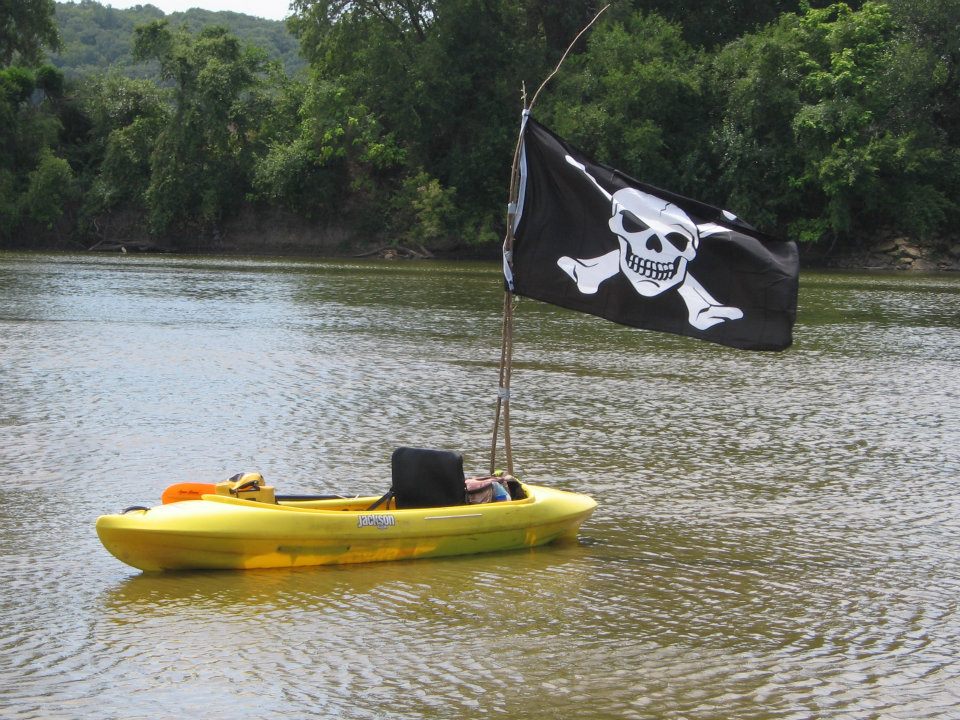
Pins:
<point x="902" y="253"/>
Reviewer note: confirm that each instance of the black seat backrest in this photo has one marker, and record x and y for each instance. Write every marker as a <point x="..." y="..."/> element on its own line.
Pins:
<point x="427" y="478"/>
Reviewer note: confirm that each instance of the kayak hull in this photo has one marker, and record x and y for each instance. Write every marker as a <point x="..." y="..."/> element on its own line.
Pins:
<point x="218" y="532"/>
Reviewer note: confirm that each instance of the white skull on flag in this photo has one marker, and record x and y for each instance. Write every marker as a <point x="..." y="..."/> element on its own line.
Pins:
<point x="657" y="240"/>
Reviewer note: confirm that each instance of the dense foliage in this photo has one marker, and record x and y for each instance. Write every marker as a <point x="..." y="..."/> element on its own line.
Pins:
<point x="830" y="122"/>
<point x="26" y="26"/>
<point x="95" y="37"/>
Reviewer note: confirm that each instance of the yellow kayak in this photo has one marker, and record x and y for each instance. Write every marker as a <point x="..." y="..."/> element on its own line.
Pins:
<point x="233" y="532"/>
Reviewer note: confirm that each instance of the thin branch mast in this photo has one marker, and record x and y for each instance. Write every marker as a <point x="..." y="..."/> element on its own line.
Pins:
<point x="506" y="348"/>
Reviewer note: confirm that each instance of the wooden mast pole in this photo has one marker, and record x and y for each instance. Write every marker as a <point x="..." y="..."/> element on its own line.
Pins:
<point x="506" y="347"/>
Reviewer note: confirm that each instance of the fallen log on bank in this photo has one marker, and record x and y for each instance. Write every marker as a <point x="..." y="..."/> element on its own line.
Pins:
<point x="394" y="252"/>
<point x="146" y="246"/>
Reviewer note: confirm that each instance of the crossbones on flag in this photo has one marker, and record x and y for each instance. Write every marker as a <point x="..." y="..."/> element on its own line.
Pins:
<point x="589" y="238"/>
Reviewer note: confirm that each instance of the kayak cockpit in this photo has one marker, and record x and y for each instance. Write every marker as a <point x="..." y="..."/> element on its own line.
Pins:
<point x="420" y="478"/>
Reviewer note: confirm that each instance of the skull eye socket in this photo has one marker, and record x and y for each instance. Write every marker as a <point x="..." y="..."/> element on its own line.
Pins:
<point x="631" y="223"/>
<point x="680" y="242"/>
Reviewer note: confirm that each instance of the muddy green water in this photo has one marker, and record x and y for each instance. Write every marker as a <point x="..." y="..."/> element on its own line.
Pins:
<point x="778" y="535"/>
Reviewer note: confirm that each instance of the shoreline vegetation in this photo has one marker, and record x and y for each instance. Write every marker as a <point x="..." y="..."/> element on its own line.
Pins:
<point x="390" y="134"/>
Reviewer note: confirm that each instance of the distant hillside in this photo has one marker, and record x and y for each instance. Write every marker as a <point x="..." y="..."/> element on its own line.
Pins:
<point x="96" y="37"/>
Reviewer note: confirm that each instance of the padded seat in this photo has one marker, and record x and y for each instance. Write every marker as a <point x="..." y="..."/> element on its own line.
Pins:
<point x="427" y="478"/>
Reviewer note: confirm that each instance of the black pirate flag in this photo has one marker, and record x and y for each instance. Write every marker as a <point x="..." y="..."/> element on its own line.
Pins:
<point x="589" y="238"/>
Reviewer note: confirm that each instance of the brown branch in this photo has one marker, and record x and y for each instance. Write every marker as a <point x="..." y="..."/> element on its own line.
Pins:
<point x="506" y="348"/>
<point x="564" y="57"/>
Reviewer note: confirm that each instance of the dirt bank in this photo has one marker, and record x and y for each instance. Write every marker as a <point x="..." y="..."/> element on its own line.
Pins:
<point x="267" y="231"/>
<point x="271" y="231"/>
<point x="891" y="252"/>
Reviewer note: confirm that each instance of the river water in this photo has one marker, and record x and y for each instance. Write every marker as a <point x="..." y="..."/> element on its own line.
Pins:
<point x="778" y="535"/>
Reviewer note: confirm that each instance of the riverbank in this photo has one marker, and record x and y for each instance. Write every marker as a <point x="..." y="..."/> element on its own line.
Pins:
<point x="892" y="252"/>
<point x="253" y="231"/>
<point x="275" y="232"/>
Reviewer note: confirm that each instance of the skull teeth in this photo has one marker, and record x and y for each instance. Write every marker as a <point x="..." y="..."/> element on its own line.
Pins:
<point x="650" y="268"/>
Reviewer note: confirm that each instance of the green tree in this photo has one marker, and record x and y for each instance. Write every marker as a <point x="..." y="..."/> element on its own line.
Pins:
<point x="126" y="117"/>
<point x="928" y="39"/>
<point x="201" y="162"/>
<point x="26" y="27"/>
<point x="711" y="23"/>
<point x="431" y="87"/>
<point x="557" y="22"/>
<point x="634" y="100"/>
<point x="753" y="92"/>
<point x="50" y="187"/>
<point x="826" y="127"/>
<point x="303" y="166"/>
<point x="97" y="38"/>
<point x="423" y="211"/>
<point x="28" y="140"/>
